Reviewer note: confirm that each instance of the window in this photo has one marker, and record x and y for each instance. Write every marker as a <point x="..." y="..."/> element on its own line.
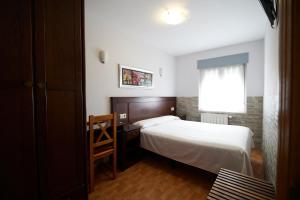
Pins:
<point x="222" y="89"/>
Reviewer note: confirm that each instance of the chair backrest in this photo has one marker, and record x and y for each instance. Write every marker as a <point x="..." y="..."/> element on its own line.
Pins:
<point x="102" y="123"/>
<point x="103" y="142"/>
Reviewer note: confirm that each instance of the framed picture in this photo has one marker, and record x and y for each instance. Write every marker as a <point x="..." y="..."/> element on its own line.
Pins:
<point x="131" y="77"/>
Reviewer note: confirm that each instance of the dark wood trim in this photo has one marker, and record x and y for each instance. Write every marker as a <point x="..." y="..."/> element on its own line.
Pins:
<point x="19" y="177"/>
<point x="284" y="73"/>
<point x="42" y="100"/>
<point x="141" y="99"/>
<point x="288" y="175"/>
<point x="64" y="87"/>
<point x="139" y="108"/>
<point x="83" y="88"/>
<point x="39" y="75"/>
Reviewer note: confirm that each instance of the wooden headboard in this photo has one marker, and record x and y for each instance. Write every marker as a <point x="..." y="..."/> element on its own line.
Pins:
<point x="139" y="108"/>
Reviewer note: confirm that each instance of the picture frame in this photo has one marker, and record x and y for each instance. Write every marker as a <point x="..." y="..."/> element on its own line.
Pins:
<point x="131" y="77"/>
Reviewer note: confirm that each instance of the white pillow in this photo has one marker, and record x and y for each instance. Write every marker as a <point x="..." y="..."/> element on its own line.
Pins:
<point x="155" y="121"/>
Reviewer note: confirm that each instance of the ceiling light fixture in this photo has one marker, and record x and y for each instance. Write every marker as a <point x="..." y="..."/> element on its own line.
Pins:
<point x="173" y="16"/>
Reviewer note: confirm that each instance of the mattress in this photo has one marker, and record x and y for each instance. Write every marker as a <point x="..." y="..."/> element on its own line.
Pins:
<point x="203" y="145"/>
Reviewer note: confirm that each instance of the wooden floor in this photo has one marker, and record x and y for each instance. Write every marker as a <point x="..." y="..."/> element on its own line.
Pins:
<point x="155" y="178"/>
<point x="257" y="164"/>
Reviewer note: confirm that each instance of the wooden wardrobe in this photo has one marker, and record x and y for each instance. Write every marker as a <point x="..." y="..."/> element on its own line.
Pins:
<point x="42" y="116"/>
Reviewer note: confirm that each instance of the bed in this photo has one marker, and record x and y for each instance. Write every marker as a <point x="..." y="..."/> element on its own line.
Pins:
<point x="202" y="145"/>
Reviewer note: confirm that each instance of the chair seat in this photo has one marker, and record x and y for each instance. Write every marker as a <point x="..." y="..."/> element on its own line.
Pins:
<point x="103" y="153"/>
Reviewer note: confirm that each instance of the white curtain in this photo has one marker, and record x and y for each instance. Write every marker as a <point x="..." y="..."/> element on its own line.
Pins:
<point x="222" y="89"/>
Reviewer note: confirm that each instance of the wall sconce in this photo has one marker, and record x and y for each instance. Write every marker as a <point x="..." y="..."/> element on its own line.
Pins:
<point x="160" y="72"/>
<point x="103" y="57"/>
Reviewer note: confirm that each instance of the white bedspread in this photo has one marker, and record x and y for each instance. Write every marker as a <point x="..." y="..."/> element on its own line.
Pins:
<point x="203" y="145"/>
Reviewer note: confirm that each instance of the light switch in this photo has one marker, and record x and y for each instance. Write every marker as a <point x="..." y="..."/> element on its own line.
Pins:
<point x="172" y="108"/>
<point x="123" y="116"/>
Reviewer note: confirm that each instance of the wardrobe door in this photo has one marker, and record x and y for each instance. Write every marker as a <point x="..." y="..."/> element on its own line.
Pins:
<point x="60" y="98"/>
<point x="17" y="149"/>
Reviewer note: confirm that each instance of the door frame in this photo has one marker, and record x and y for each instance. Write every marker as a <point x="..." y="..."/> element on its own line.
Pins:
<point x="288" y="161"/>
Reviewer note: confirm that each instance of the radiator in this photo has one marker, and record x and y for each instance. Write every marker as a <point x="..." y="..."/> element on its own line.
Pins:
<point x="214" y="118"/>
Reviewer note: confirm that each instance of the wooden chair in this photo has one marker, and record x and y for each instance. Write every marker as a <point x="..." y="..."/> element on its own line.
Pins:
<point x="102" y="145"/>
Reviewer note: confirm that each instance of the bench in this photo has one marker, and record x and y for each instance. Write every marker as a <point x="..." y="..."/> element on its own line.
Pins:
<point x="233" y="185"/>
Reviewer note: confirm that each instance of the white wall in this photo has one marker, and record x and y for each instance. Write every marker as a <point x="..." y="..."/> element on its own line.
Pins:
<point x="102" y="79"/>
<point x="187" y="74"/>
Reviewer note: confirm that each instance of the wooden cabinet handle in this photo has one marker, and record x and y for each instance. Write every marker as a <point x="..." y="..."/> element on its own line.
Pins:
<point x="28" y="84"/>
<point x="40" y="85"/>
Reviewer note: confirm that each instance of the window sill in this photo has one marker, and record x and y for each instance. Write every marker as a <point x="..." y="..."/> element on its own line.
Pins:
<point x="220" y="112"/>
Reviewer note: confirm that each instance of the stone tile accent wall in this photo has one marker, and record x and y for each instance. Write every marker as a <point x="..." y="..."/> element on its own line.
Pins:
<point x="270" y="136"/>
<point x="271" y="103"/>
<point x="253" y="118"/>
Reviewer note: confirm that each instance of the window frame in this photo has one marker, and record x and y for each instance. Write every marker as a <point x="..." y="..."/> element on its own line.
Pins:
<point x="245" y="93"/>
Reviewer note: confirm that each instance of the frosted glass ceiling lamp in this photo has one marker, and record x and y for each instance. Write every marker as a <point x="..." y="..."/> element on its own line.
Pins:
<point x="173" y="17"/>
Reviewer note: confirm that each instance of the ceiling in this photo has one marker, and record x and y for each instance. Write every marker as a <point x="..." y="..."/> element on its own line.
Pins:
<point x="210" y="23"/>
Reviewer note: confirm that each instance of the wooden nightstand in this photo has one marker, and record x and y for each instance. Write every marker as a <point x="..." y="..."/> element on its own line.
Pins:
<point x="129" y="150"/>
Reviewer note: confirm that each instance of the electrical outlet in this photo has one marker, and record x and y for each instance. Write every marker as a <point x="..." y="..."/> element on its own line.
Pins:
<point x="123" y="116"/>
<point x="172" y="108"/>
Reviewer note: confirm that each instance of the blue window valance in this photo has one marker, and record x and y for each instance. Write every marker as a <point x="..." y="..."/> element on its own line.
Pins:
<point x="236" y="59"/>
